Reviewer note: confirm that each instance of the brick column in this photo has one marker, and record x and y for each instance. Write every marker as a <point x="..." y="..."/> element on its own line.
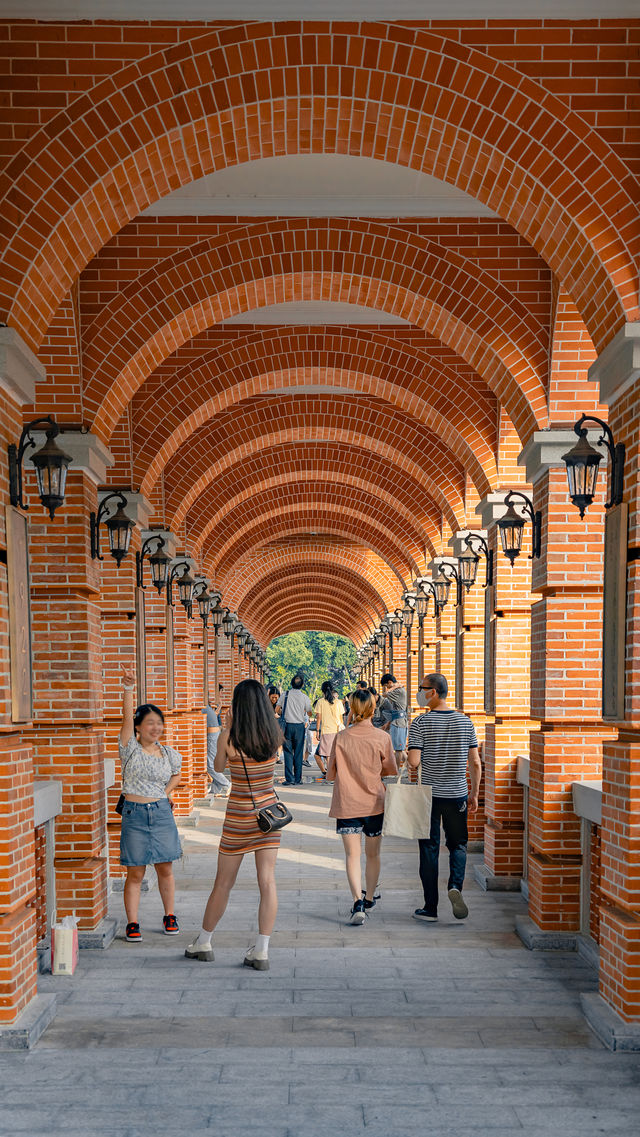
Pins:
<point x="566" y="677"/>
<point x="19" y="372"/>
<point x="507" y="650"/>
<point x="615" y="1012"/>
<point x="68" y="694"/>
<point x="469" y="668"/>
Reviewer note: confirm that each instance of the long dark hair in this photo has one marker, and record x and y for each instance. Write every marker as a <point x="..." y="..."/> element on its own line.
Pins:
<point x="254" y="731"/>
<point x="328" y="691"/>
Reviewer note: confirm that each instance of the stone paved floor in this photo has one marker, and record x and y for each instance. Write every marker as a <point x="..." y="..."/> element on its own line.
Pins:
<point x="391" y="1029"/>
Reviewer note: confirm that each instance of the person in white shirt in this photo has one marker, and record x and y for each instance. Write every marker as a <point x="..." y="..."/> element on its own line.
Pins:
<point x="295" y="709"/>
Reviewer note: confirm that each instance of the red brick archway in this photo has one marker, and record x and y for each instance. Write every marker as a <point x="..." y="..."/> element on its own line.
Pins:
<point x="406" y="95"/>
<point x="254" y="569"/>
<point x="462" y="413"/>
<point x="192" y="470"/>
<point x="217" y="510"/>
<point x="367" y="263"/>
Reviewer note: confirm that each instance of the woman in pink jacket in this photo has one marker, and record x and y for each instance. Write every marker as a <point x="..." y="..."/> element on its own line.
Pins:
<point x="360" y="758"/>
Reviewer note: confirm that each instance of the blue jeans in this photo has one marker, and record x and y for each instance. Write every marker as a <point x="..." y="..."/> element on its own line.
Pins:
<point x="453" y="814"/>
<point x="293" y="750"/>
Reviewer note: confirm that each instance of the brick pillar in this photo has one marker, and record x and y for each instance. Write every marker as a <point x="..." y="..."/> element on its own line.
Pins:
<point x="566" y="676"/>
<point x="19" y="371"/>
<point x="507" y="650"/>
<point x="469" y="668"/>
<point x="68" y="693"/>
<point x="615" y="1012"/>
<point x="119" y="615"/>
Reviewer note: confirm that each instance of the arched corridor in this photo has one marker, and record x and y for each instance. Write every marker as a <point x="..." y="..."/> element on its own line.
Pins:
<point x="308" y="300"/>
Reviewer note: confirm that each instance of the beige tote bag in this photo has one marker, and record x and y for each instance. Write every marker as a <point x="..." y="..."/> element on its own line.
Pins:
<point x="407" y="810"/>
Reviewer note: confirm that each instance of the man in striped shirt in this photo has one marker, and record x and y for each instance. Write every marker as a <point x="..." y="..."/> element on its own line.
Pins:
<point x="443" y="743"/>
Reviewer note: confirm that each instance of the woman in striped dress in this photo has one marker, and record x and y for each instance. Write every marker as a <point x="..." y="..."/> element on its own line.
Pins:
<point x="254" y="736"/>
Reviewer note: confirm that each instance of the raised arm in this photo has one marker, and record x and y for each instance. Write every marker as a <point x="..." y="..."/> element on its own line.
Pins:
<point x="129" y="683"/>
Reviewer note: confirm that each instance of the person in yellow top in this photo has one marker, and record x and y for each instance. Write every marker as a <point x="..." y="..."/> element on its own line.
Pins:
<point x="329" y="711"/>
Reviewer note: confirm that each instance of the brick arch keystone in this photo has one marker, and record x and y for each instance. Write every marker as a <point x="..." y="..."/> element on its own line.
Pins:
<point x="397" y="93"/>
<point x="370" y="263"/>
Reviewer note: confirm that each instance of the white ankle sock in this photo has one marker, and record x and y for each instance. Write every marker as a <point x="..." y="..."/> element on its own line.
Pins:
<point x="262" y="947"/>
<point x="204" y="939"/>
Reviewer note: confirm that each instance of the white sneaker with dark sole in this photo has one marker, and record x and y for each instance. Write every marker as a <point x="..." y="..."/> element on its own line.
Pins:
<point x="205" y="955"/>
<point x="458" y="905"/>
<point x="251" y="961"/>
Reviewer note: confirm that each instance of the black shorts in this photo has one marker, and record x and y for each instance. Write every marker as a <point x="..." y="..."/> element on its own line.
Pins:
<point x="370" y="826"/>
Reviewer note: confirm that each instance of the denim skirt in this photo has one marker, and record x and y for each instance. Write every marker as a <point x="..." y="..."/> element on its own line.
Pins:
<point x="398" y="736"/>
<point x="149" y="835"/>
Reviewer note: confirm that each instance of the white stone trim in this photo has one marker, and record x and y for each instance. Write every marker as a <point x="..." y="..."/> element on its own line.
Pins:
<point x="70" y="10"/>
<point x="457" y="542"/>
<point x="47" y="801"/>
<point x="492" y="508"/>
<point x="20" y="369"/>
<point x="587" y="800"/>
<point x="618" y="366"/>
<point x="544" y="451"/>
<point x="170" y="539"/>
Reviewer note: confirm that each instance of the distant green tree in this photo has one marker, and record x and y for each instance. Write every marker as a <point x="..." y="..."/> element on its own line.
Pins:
<point x="317" y="656"/>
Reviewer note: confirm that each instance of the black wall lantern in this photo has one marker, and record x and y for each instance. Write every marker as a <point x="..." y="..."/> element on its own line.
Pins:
<point x="422" y="600"/>
<point x="119" y="528"/>
<point x="395" y="622"/>
<point x="203" y="600"/>
<point x="381" y="634"/>
<point x="228" y="623"/>
<point x="159" y="563"/>
<point x="408" y="611"/>
<point x="511" y="527"/>
<point x="185" y="583"/>
<point x="582" y="463"/>
<point x="451" y="574"/>
<point x="51" y="465"/>
<point x="476" y="544"/>
<point x="441" y="588"/>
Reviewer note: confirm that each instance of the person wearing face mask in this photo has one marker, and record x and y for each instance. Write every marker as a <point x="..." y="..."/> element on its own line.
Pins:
<point x="443" y="744"/>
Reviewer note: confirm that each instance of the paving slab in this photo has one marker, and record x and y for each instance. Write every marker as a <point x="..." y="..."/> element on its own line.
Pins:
<point x="389" y="1030"/>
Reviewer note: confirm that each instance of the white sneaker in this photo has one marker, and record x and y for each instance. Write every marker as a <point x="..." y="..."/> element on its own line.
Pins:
<point x="202" y="953"/>
<point x="458" y="905"/>
<point x="251" y="960"/>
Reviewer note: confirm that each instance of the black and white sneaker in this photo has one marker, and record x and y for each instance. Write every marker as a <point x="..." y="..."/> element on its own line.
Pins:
<point x="369" y="904"/>
<point x="422" y="914"/>
<point x="358" y="915"/>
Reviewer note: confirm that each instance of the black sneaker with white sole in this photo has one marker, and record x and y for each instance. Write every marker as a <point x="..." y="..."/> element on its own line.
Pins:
<point x="358" y="915"/>
<point x="422" y="914"/>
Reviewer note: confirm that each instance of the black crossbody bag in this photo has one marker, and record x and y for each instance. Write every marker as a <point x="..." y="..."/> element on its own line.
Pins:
<point x="270" y="817"/>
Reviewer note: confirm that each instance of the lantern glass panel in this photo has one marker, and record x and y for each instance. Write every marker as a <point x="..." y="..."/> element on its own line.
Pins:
<point x="119" y="528"/>
<point x="185" y="588"/>
<point x="51" y="465"/>
<point x="511" y="528"/>
<point x="468" y="568"/>
<point x="159" y="563"/>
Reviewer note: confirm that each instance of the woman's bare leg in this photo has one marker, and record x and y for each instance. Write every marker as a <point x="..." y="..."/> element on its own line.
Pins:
<point x="135" y="876"/>
<point x="219" y="896"/>
<point x="266" y="872"/>
<point x="353" y="849"/>
<point x="372" y="867"/>
<point x="166" y="886"/>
